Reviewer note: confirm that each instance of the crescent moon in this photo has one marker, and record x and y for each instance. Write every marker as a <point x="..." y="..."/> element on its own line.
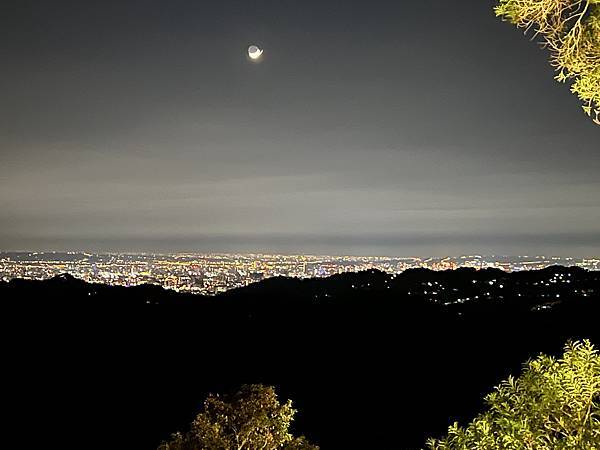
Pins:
<point x="254" y="52"/>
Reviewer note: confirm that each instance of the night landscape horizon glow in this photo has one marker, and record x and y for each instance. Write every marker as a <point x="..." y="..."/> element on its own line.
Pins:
<point x="300" y="225"/>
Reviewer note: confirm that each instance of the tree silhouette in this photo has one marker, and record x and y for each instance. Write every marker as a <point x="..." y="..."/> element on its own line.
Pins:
<point x="250" y="419"/>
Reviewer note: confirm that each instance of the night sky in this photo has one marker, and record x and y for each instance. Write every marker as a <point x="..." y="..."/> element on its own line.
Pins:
<point x="369" y="127"/>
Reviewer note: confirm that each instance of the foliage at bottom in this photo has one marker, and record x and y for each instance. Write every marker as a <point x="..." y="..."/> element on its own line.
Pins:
<point x="553" y="405"/>
<point x="251" y="419"/>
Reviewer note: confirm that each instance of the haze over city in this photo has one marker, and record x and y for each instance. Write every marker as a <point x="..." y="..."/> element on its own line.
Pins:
<point x="142" y="126"/>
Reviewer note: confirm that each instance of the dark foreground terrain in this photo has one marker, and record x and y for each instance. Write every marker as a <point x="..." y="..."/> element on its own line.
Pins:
<point x="370" y="360"/>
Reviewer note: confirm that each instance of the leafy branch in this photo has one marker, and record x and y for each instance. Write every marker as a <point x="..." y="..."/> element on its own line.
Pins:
<point x="570" y="30"/>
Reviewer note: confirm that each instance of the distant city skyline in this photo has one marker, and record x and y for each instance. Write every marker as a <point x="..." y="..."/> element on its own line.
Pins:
<point x="367" y="127"/>
<point x="212" y="273"/>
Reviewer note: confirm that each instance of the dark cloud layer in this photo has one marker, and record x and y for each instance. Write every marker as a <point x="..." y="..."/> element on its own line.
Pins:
<point x="402" y="128"/>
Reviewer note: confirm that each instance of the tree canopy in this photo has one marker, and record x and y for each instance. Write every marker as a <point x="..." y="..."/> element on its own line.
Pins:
<point x="553" y="405"/>
<point x="250" y="419"/>
<point x="570" y="29"/>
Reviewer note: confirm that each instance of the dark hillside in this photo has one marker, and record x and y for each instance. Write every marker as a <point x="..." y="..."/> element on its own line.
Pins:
<point x="371" y="360"/>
